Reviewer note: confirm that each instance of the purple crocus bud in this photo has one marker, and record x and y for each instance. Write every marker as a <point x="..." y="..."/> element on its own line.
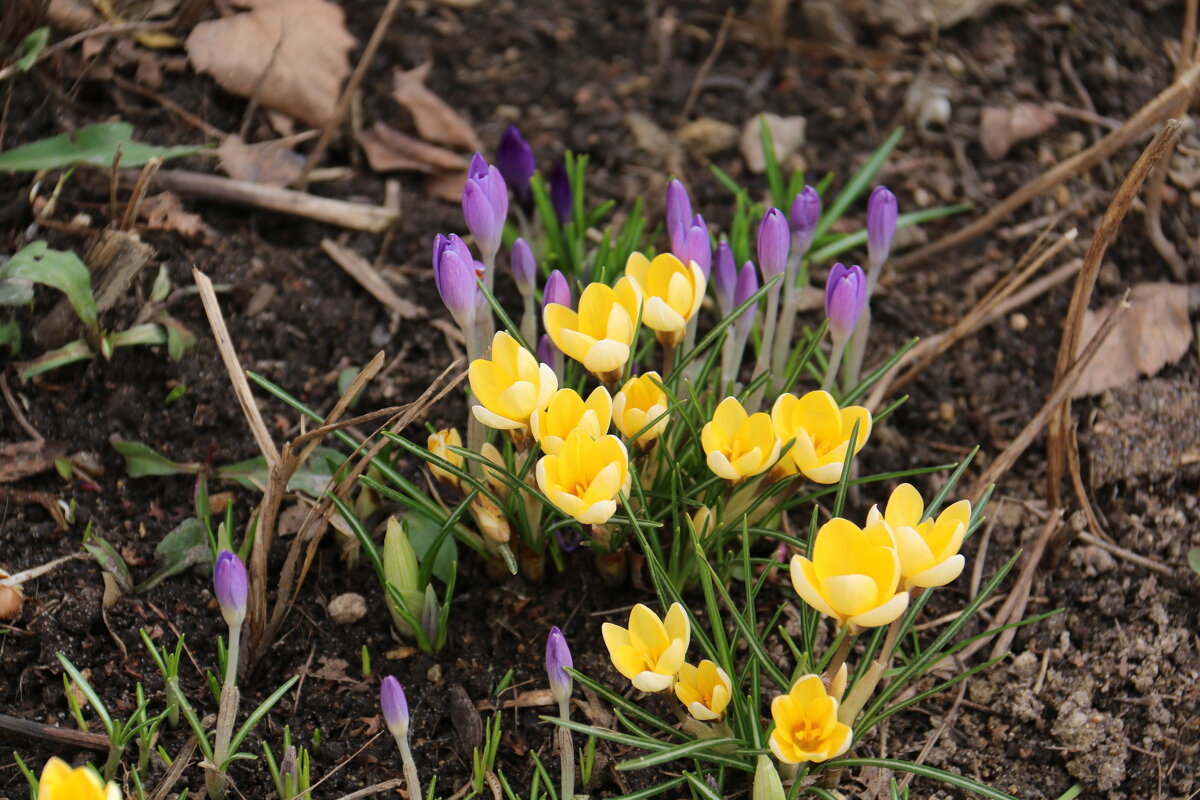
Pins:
<point x="514" y="159"/>
<point x="724" y="278"/>
<point x="557" y="290"/>
<point x="558" y="660"/>
<point x="679" y="214"/>
<point x="560" y="193"/>
<point x="524" y="267"/>
<point x="803" y="217"/>
<point x="395" y="707"/>
<point x="774" y="239"/>
<point x="881" y="225"/>
<point x="545" y="350"/>
<point x="696" y="246"/>
<point x="231" y="585"/>
<point x="569" y="538"/>
<point x="747" y="284"/>
<point x="845" y="296"/>
<point x="485" y="206"/>
<point x="454" y="273"/>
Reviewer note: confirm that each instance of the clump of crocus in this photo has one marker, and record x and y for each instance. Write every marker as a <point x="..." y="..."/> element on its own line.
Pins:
<point x="439" y="444"/>
<point x="601" y="332"/>
<point x="819" y="432"/>
<point x="806" y="724"/>
<point x="395" y="715"/>
<point x="854" y="575"/>
<point x="514" y="159"/>
<point x="558" y="661"/>
<point x="60" y="782"/>
<point x="485" y="208"/>
<point x="672" y="292"/>
<point x="567" y="412"/>
<point x="704" y="689"/>
<point x="928" y="548"/>
<point x="231" y="586"/>
<point x="739" y="445"/>
<point x="651" y="651"/>
<point x="510" y="385"/>
<point x="641" y="403"/>
<point x="845" y="299"/>
<point x="586" y="477"/>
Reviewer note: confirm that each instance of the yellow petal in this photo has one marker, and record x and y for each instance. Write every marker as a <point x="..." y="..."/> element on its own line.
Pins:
<point x="939" y="574"/>
<point x="651" y="682"/>
<point x="678" y="625"/>
<point x="605" y="355"/>
<point x="646" y="630"/>
<point x="494" y="420"/>
<point x="729" y="415"/>
<point x="806" y="583"/>
<point x="849" y="595"/>
<point x="884" y="614"/>
<point x="905" y="506"/>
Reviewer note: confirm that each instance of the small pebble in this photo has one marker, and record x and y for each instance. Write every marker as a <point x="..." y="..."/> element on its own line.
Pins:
<point x="1018" y="322"/>
<point x="346" y="609"/>
<point x="946" y="411"/>
<point x="434" y="674"/>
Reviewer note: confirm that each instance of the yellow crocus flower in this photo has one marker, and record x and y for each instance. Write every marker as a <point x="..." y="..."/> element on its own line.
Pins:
<point x="672" y="293"/>
<point x="640" y="402"/>
<point x="510" y="386"/>
<point x="704" y="689"/>
<point x="60" y="782"/>
<point x="439" y="444"/>
<point x="601" y="332"/>
<point x="821" y="432"/>
<point x="568" y="411"/>
<point x="650" y="651"/>
<point x="854" y="575"/>
<point x="806" y="724"/>
<point x="928" y="550"/>
<point x="739" y="445"/>
<point x="585" y="477"/>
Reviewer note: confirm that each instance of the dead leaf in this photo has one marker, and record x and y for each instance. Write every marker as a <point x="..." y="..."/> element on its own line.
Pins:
<point x="435" y="121"/>
<point x="164" y="212"/>
<point x="530" y="699"/>
<point x="446" y="186"/>
<point x="301" y="46"/>
<point x="268" y="163"/>
<point x="71" y="16"/>
<point x="648" y="135"/>
<point x="787" y="134"/>
<point x="706" y="136"/>
<point x="22" y="459"/>
<point x="1154" y="332"/>
<point x="1001" y="128"/>
<point x="388" y="149"/>
<point x="400" y="653"/>
<point x="333" y="669"/>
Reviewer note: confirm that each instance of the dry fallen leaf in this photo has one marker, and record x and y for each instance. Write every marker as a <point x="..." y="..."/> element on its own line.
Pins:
<point x="1153" y="333"/>
<point x="1001" y="128"/>
<point x="435" y="121"/>
<point x="302" y="47"/>
<point x="787" y="134"/>
<point x="164" y="212"/>
<point x="269" y="163"/>
<point x="530" y="699"/>
<point x="388" y="149"/>
<point x="707" y="137"/>
<point x="446" y="186"/>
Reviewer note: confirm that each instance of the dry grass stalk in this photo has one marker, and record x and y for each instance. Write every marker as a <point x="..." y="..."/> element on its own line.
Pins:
<point x="369" y="278"/>
<point x="1056" y="455"/>
<point x="139" y="192"/>
<point x="1148" y="115"/>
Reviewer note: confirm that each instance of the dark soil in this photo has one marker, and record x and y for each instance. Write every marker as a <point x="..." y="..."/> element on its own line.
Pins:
<point x="1103" y="694"/>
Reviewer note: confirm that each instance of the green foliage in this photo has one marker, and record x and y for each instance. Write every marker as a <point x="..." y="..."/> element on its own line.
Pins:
<point x="30" y="48"/>
<point x="58" y="269"/>
<point x="97" y="145"/>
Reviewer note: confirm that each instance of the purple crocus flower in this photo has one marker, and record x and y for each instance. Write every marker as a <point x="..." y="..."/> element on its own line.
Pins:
<point x="881" y="225"/>
<point x="845" y="296"/>
<point x="514" y="159"/>
<point x="557" y="290"/>
<point x="524" y="267"/>
<point x="696" y="246"/>
<point x="571" y="537"/>
<point x="679" y="214"/>
<point x="558" y="659"/>
<point x="724" y="278"/>
<point x="545" y="350"/>
<point x="747" y="284"/>
<point x="803" y="218"/>
<point x="560" y="193"/>
<point x="454" y="273"/>
<point x="231" y="585"/>
<point x="485" y="206"/>
<point x="774" y="239"/>
<point x="395" y="707"/>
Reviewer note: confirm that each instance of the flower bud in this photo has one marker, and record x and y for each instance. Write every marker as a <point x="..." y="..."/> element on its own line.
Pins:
<point x="454" y="274"/>
<point x="774" y="239"/>
<point x="545" y="350"/>
<point x="524" y="267"/>
<point x="439" y="444"/>
<point x="401" y="571"/>
<point x="767" y="784"/>
<point x="557" y="291"/>
<point x="514" y="159"/>
<point x="678" y="213"/>
<point x="558" y="659"/>
<point x="395" y="707"/>
<point x="231" y="586"/>
<point x="881" y="225"/>
<point x="845" y="296"/>
<point x="560" y="193"/>
<point x="490" y="520"/>
<point x="747" y="285"/>
<point x="696" y="246"/>
<point x="485" y="206"/>
<point x="724" y="278"/>
<point x="803" y="218"/>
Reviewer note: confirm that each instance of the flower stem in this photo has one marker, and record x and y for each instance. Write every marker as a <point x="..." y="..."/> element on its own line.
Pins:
<point x="770" y="323"/>
<point x="835" y="361"/>
<point x="411" y="779"/>
<point x="566" y="752"/>
<point x="226" y="717"/>
<point x="865" y="687"/>
<point x="529" y="321"/>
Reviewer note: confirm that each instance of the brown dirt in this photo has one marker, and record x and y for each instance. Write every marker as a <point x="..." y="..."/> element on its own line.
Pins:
<point x="1103" y="694"/>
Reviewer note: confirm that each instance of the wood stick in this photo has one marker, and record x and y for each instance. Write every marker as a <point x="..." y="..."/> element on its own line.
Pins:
<point x="369" y="278"/>
<point x="356" y="216"/>
<point x="1142" y="120"/>
<point x="88" y="741"/>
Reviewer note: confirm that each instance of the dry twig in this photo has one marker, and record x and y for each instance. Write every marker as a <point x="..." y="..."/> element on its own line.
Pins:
<point x="369" y="278"/>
